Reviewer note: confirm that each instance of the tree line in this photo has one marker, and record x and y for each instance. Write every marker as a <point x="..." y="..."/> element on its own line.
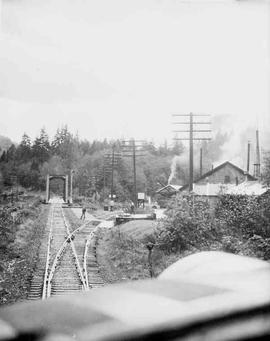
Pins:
<point x="28" y="163"/>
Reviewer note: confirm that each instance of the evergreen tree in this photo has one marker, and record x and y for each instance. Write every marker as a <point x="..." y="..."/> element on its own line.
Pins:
<point x="3" y="157"/>
<point x="177" y="148"/>
<point x="63" y="143"/>
<point x="41" y="147"/>
<point x="11" y="153"/>
<point x="24" y="152"/>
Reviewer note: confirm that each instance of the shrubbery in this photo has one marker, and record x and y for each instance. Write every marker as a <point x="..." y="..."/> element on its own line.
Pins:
<point x="189" y="224"/>
<point x="245" y="215"/>
<point x="12" y="215"/>
<point x="239" y="224"/>
<point x="6" y="223"/>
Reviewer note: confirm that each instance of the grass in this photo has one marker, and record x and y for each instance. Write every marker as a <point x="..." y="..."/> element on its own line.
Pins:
<point x="119" y="258"/>
<point x="19" y="258"/>
<point x="122" y="254"/>
<point x="138" y="229"/>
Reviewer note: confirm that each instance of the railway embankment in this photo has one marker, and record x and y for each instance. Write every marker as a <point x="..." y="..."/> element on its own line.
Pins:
<point x="123" y="255"/>
<point x="22" y="227"/>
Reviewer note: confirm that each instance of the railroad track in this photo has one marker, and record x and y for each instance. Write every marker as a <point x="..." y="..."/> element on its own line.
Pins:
<point x="67" y="262"/>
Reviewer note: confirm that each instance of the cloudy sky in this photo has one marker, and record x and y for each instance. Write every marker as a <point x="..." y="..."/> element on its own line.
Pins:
<point x="120" y="68"/>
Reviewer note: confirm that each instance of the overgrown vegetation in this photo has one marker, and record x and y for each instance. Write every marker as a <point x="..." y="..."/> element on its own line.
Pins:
<point x="123" y="255"/>
<point x="239" y="224"/>
<point x="28" y="163"/>
<point x="22" y="226"/>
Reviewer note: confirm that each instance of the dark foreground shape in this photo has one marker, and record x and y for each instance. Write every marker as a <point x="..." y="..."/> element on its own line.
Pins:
<point x="206" y="296"/>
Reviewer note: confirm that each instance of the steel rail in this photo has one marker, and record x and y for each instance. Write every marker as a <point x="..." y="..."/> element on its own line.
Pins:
<point x="89" y="239"/>
<point x="44" y="289"/>
<point x="85" y="260"/>
<point x="59" y="254"/>
<point x="78" y="266"/>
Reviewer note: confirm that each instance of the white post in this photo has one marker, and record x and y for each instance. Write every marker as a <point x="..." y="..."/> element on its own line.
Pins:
<point x="66" y="189"/>
<point x="71" y="184"/>
<point x="47" y="188"/>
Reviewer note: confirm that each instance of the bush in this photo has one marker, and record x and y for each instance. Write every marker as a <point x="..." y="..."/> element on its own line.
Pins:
<point x="6" y="224"/>
<point x="241" y="224"/>
<point x="189" y="224"/>
<point x="231" y="244"/>
<point x="259" y="246"/>
<point x="245" y="215"/>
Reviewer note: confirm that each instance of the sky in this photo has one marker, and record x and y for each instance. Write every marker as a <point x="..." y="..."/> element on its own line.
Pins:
<point x="113" y="69"/>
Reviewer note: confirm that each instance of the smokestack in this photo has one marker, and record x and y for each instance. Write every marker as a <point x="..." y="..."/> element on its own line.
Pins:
<point x="248" y="156"/>
<point x="257" y="164"/>
<point x="200" y="162"/>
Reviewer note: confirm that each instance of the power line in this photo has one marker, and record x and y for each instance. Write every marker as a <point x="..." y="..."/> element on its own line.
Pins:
<point x="192" y="138"/>
<point x="131" y="148"/>
<point x="111" y="161"/>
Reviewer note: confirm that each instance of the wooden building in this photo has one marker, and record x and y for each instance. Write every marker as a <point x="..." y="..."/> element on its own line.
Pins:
<point x="224" y="179"/>
<point x="226" y="173"/>
<point x="169" y="190"/>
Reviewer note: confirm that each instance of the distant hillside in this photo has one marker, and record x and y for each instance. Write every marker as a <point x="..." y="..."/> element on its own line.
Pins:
<point x="5" y="143"/>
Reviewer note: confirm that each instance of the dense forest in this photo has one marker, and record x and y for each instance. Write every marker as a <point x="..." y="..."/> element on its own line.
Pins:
<point x="28" y="163"/>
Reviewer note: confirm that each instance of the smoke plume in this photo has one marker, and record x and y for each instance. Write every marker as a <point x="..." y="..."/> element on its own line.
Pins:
<point x="177" y="162"/>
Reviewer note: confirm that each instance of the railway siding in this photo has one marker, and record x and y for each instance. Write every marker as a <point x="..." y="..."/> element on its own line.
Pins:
<point x="67" y="257"/>
<point x="87" y="239"/>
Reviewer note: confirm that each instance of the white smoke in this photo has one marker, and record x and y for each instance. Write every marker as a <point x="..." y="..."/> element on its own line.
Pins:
<point x="176" y="161"/>
<point x="235" y="148"/>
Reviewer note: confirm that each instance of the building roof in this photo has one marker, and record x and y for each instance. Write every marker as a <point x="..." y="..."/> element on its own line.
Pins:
<point x="245" y="188"/>
<point x="248" y="188"/>
<point x="169" y="189"/>
<point x="212" y="171"/>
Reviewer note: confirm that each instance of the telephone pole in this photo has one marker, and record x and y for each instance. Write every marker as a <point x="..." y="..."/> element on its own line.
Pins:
<point x="191" y="138"/>
<point x="133" y="148"/>
<point x="113" y="147"/>
<point x="71" y="186"/>
<point x="110" y="162"/>
<point x="248" y="157"/>
<point x="257" y="164"/>
<point x="134" y="173"/>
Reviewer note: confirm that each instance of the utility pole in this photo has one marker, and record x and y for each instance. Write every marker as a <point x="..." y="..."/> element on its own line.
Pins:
<point x="134" y="174"/>
<point x="190" y="152"/>
<point x="71" y="186"/>
<point x="133" y="148"/>
<point x="113" y="147"/>
<point x="257" y="164"/>
<point x="191" y="137"/>
<point x="201" y="163"/>
<point x="248" y="156"/>
<point x="110" y="162"/>
<point x="104" y="178"/>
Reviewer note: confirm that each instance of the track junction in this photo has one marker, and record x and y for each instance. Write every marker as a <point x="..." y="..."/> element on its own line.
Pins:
<point x="67" y="257"/>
